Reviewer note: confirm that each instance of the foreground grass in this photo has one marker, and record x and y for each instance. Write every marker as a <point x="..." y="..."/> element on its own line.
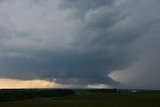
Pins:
<point x="92" y="100"/>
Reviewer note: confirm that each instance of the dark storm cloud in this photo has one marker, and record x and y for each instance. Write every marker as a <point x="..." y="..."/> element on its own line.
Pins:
<point x="82" y="42"/>
<point x="113" y="31"/>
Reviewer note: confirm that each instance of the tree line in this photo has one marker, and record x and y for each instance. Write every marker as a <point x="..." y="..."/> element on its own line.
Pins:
<point x="24" y="94"/>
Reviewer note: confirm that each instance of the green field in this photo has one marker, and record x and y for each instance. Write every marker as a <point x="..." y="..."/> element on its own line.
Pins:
<point x="91" y="100"/>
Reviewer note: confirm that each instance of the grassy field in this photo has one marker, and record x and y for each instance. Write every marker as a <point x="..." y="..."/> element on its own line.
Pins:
<point x="91" y="100"/>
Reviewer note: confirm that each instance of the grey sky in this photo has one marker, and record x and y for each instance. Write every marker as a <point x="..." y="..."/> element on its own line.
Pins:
<point x="81" y="42"/>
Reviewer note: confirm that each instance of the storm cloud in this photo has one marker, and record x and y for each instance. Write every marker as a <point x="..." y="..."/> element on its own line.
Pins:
<point x="81" y="42"/>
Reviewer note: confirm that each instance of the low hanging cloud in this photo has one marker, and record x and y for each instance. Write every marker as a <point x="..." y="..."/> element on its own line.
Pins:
<point x="81" y="43"/>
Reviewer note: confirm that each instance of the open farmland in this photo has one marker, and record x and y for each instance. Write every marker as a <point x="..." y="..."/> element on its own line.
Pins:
<point x="92" y="100"/>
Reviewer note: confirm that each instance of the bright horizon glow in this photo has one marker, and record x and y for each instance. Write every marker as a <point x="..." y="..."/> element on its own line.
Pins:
<point x="6" y="83"/>
<point x="98" y="86"/>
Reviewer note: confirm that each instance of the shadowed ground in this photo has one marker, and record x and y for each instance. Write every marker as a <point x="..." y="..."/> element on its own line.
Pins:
<point x="92" y="100"/>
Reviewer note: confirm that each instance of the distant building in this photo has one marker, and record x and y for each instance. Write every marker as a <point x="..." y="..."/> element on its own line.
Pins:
<point x="128" y="91"/>
<point x="134" y="91"/>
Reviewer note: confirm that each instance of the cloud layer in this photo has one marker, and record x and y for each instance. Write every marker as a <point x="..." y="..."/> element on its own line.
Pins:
<point x="81" y="43"/>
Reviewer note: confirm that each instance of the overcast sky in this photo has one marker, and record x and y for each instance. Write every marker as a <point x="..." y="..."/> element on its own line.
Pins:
<point x="81" y="43"/>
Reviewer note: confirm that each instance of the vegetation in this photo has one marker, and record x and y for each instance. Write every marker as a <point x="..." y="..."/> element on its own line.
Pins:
<point x="25" y="94"/>
<point x="91" y="99"/>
